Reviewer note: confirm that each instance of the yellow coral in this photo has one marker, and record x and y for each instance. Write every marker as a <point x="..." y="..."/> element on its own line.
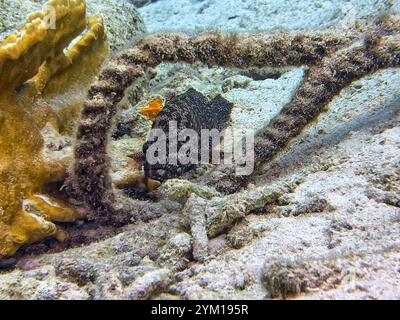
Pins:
<point x="18" y="44"/>
<point x="32" y="60"/>
<point x="153" y="109"/>
<point x="66" y="88"/>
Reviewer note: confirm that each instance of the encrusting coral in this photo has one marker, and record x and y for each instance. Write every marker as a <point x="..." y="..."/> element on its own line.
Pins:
<point x="34" y="65"/>
<point x="335" y="57"/>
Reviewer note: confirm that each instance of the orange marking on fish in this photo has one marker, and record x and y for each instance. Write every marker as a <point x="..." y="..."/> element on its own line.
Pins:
<point x="153" y="109"/>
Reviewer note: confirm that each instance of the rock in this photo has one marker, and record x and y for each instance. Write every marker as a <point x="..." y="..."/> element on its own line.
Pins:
<point x="217" y="245"/>
<point x="126" y="161"/>
<point x="110" y="287"/>
<point x="180" y="190"/>
<point x="195" y="211"/>
<point x="308" y="205"/>
<point x="149" y="284"/>
<point x="41" y="284"/>
<point x="122" y="21"/>
<point x="286" y="279"/>
<point x="330" y="276"/>
<point x="176" y="251"/>
<point x="81" y="272"/>
<point x="240" y="235"/>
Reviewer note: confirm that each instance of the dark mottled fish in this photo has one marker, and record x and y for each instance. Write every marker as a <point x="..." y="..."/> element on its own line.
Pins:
<point x="190" y="110"/>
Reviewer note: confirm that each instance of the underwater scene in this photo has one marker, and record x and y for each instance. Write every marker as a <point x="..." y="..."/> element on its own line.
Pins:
<point x="199" y="150"/>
